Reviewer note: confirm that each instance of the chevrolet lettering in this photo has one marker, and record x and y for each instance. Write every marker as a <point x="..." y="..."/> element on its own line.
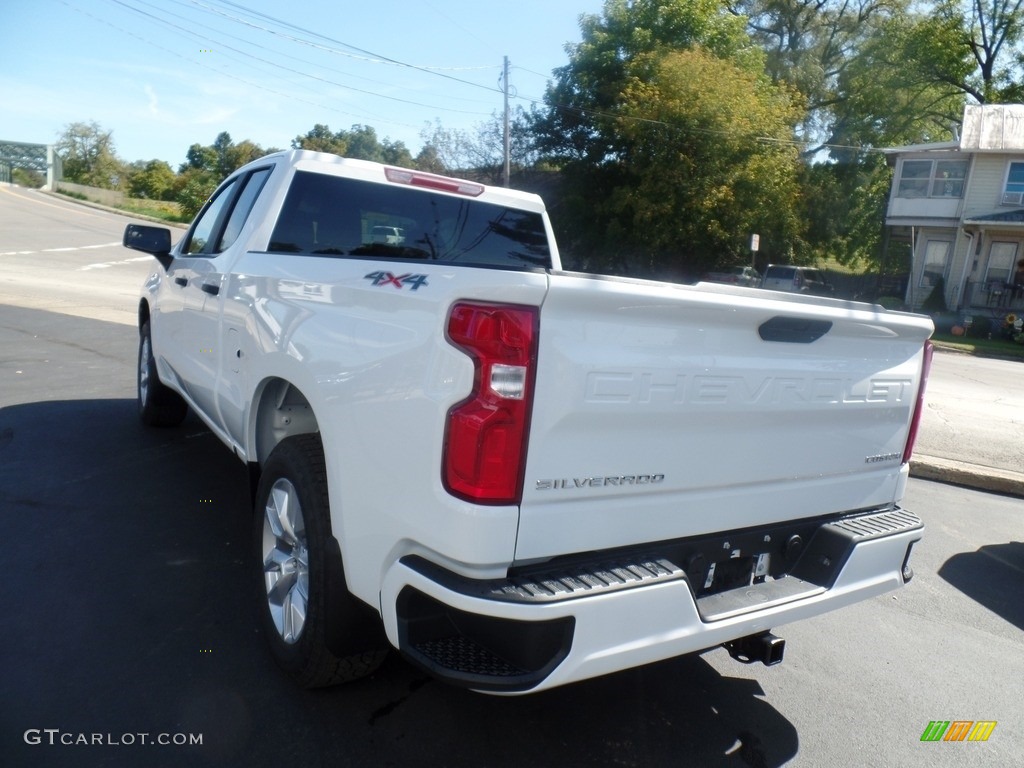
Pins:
<point x="516" y="476"/>
<point x="649" y="387"/>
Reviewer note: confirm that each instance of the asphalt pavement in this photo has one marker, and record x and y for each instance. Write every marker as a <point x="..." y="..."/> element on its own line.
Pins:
<point x="972" y="424"/>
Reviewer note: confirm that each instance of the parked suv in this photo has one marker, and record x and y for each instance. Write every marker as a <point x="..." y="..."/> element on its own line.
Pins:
<point x="782" y="277"/>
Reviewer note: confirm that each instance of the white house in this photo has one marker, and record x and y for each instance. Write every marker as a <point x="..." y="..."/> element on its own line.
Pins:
<point x="961" y="206"/>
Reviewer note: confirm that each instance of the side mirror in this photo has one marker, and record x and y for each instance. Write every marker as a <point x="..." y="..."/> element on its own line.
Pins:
<point x="152" y="240"/>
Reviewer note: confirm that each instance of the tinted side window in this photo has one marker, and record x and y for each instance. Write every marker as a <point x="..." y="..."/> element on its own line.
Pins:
<point x="329" y="215"/>
<point x="200" y="238"/>
<point x="246" y="199"/>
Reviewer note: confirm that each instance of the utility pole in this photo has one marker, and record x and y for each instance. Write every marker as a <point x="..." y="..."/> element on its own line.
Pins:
<point x="504" y="81"/>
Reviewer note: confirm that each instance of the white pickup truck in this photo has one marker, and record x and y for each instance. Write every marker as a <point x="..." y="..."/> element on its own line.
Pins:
<point x="518" y="476"/>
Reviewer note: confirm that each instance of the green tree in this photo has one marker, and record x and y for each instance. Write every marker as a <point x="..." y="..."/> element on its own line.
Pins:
<point x="580" y="122"/>
<point x="207" y="166"/>
<point x="429" y="159"/>
<point x="192" y="188"/>
<point x="810" y="44"/>
<point x="396" y="153"/>
<point x="153" y="180"/>
<point x="359" y="142"/>
<point x="199" y="158"/>
<point x="26" y="177"/>
<point x="320" y="139"/>
<point x="874" y="73"/>
<point x="989" y="36"/>
<point x="674" y="146"/>
<point x="87" y="153"/>
<point x="707" y="160"/>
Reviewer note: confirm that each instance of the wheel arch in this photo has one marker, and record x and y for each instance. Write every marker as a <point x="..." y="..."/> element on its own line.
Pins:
<point x="279" y="410"/>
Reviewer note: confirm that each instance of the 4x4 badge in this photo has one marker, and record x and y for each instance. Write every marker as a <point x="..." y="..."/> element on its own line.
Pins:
<point x="399" y="281"/>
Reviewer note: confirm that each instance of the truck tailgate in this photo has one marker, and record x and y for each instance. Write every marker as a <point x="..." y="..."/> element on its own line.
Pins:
<point x="666" y="411"/>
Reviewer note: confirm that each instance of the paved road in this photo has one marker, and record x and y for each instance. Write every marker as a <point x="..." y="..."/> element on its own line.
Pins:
<point x="975" y="411"/>
<point x="126" y="611"/>
<point x="64" y="257"/>
<point x="125" y="602"/>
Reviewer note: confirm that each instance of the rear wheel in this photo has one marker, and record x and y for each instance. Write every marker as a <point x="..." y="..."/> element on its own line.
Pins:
<point x="159" y="406"/>
<point x="318" y="632"/>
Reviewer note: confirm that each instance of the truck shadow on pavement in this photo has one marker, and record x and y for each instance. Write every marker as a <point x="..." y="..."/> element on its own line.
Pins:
<point x="992" y="576"/>
<point x="130" y="589"/>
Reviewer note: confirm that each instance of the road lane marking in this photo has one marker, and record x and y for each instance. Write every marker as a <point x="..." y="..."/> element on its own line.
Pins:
<point x="65" y="250"/>
<point x="105" y="264"/>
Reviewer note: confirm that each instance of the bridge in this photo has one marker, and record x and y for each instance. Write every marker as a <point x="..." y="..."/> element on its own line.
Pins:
<point x="30" y="157"/>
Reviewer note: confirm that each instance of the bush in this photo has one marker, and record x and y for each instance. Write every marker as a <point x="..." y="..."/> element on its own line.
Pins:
<point x="981" y="328"/>
<point x="26" y="177"/>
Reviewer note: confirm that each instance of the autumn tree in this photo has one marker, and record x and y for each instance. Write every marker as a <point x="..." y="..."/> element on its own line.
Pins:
<point x="674" y="145"/>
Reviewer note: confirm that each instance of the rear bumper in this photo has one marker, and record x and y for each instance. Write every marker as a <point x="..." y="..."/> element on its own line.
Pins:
<point x="545" y="628"/>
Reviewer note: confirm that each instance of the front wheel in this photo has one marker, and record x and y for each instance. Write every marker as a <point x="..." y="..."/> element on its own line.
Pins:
<point x="318" y="632"/>
<point x="159" y="406"/>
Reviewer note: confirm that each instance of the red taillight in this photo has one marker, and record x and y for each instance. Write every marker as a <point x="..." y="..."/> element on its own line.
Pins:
<point x="915" y="421"/>
<point x="485" y="440"/>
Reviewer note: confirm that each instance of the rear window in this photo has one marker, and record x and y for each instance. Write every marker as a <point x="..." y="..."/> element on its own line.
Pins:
<point x="334" y="216"/>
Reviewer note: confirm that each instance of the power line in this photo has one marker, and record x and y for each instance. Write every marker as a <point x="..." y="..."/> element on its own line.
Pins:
<point x="285" y="68"/>
<point x="287" y="25"/>
<point x="203" y="65"/>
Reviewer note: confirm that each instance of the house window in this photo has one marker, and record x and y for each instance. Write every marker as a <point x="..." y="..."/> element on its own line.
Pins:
<point x="1013" y="192"/>
<point x="932" y="178"/>
<point x="936" y="260"/>
<point x="1000" y="262"/>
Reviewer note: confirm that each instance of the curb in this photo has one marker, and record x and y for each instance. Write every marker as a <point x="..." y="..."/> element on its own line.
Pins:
<point x="990" y="479"/>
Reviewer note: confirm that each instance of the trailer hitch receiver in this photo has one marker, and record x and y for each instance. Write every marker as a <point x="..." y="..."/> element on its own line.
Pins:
<point x="765" y="647"/>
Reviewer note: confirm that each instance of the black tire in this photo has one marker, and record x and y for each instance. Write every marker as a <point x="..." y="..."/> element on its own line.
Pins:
<point x="318" y="632"/>
<point x="159" y="406"/>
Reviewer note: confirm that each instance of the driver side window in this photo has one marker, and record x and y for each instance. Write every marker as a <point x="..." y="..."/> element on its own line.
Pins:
<point x="199" y="240"/>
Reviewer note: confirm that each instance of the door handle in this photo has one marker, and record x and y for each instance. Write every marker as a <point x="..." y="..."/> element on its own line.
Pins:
<point x="213" y="290"/>
<point x="182" y="281"/>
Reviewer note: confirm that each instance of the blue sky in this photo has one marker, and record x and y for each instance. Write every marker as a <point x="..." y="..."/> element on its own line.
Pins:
<point x="164" y="74"/>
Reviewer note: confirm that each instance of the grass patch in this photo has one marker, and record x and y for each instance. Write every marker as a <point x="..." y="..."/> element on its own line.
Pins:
<point x="159" y="209"/>
<point x="1001" y="348"/>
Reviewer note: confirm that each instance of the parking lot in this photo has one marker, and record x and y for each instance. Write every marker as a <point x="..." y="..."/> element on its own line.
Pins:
<point x="129" y="629"/>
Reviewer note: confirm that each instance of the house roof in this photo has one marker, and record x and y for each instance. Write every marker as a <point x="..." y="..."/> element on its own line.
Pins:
<point x="937" y="146"/>
<point x="995" y="128"/>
